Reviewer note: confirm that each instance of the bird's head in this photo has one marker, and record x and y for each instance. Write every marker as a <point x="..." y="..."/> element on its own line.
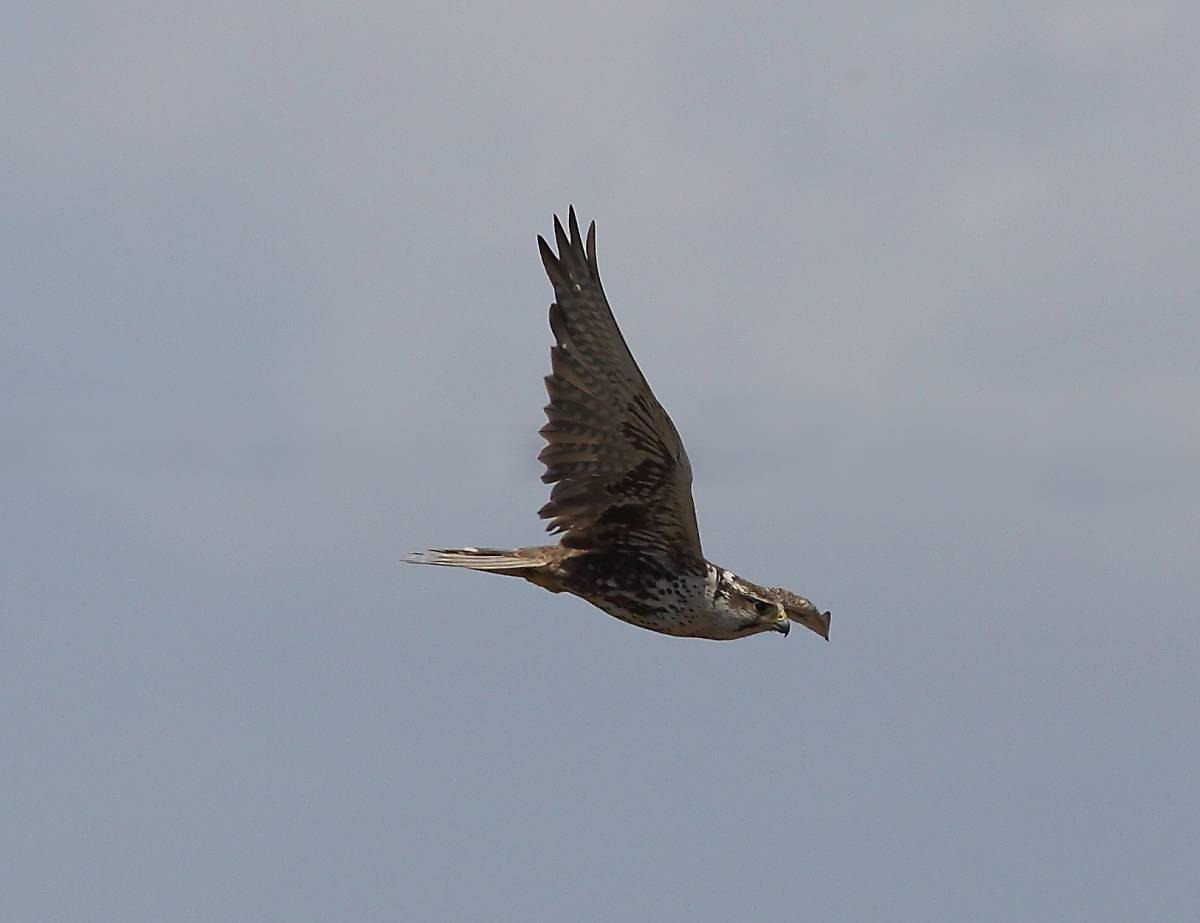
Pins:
<point x="740" y="609"/>
<point x="755" y="608"/>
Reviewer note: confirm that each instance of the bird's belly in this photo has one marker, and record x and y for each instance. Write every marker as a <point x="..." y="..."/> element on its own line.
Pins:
<point x="674" y="606"/>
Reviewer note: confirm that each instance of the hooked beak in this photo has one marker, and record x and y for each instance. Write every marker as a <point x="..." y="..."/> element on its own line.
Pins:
<point x="782" y="624"/>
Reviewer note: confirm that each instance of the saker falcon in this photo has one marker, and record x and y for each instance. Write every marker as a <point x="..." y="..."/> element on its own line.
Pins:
<point x="622" y="496"/>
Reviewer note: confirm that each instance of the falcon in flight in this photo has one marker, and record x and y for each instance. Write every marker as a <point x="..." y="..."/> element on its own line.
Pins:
<point x="622" y="495"/>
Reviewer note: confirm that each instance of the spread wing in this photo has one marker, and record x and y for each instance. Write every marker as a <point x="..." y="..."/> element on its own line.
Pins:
<point x="621" y="477"/>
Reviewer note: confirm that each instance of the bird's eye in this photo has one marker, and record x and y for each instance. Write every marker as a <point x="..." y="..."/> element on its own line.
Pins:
<point x="761" y="607"/>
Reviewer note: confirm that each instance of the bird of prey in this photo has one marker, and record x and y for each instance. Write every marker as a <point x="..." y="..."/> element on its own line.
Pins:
<point x="622" y="497"/>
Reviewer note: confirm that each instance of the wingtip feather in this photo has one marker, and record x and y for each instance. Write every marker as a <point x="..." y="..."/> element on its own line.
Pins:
<point x="574" y="225"/>
<point x="560" y="238"/>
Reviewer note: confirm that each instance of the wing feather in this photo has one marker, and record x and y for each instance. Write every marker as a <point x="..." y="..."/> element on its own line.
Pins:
<point x="622" y="479"/>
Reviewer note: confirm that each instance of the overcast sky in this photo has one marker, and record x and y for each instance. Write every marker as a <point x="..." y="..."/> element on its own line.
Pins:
<point x="920" y="292"/>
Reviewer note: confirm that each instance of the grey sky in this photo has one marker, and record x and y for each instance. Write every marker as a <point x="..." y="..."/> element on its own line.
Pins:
<point x="919" y="291"/>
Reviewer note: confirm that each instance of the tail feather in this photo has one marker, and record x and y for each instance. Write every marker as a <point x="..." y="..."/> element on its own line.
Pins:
<point x="493" y="559"/>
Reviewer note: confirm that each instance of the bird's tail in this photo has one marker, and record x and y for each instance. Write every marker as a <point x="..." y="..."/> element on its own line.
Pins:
<point x="489" y="559"/>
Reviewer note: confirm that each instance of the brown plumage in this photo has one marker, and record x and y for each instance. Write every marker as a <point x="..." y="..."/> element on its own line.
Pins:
<point x="622" y="484"/>
<point x="621" y="475"/>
